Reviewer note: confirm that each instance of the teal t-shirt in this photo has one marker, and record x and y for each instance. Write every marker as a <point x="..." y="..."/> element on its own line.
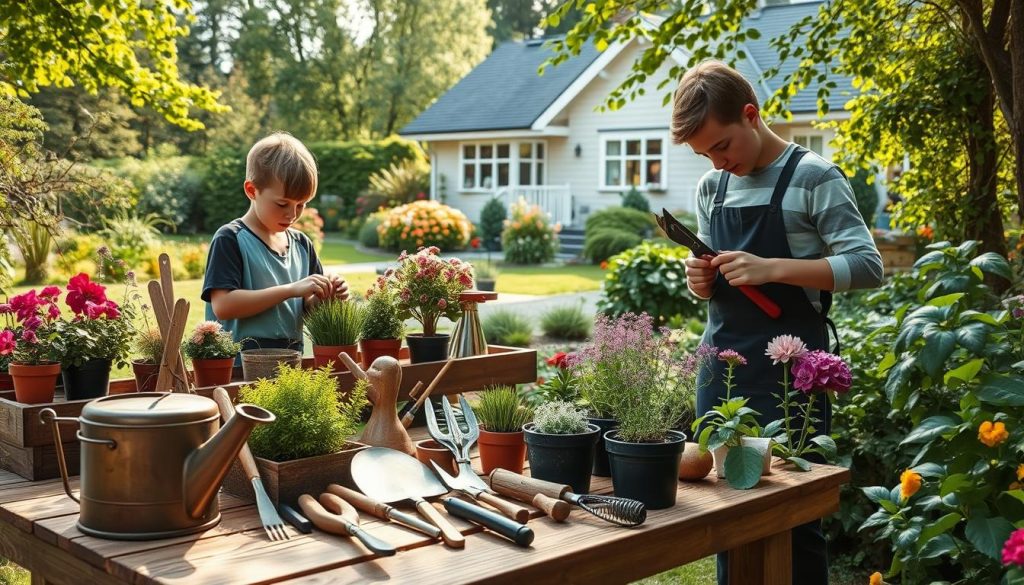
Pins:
<point x="239" y="259"/>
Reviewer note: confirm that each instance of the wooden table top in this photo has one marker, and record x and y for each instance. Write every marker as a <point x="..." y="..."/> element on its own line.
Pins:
<point x="38" y="532"/>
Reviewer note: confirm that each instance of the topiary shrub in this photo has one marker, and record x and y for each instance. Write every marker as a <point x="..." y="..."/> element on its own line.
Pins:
<point x="651" y="278"/>
<point x="424" y="223"/>
<point x="601" y="244"/>
<point x="528" y="237"/>
<point x="505" y="327"/>
<point x="492" y="221"/>
<point x="633" y="199"/>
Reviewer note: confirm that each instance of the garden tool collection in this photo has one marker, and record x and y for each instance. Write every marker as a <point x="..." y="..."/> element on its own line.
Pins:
<point x="335" y="515"/>
<point x="459" y="442"/>
<point x="621" y="511"/>
<point x="382" y="510"/>
<point x="468" y="336"/>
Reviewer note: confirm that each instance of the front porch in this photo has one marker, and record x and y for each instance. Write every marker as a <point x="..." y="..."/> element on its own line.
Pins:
<point x="556" y="200"/>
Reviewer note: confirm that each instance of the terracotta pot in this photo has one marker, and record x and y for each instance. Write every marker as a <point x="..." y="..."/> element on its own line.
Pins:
<point x="34" y="384"/>
<point x="430" y="450"/>
<point x="213" y="372"/>
<point x="504" y="450"/>
<point x="146" y="375"/>
<point x="374" y="348"/>
<point x="326" y="354"/>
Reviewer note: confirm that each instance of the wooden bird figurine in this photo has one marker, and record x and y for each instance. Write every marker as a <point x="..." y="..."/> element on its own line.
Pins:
<point x="383" y="429"/>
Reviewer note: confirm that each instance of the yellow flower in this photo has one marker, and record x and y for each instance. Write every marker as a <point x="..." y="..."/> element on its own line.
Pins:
<point x="876" y="579"/>
<point x="1020" y="472"/>
<point x="910" y="482"/>
<point x="992" y="434"/>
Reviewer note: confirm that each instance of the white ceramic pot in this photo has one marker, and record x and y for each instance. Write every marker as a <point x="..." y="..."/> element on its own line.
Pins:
<point x="764" y="445"/>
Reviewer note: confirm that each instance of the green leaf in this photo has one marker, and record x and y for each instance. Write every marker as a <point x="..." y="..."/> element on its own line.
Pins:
<point x="908" y="538"/>
<point x="828" y="446"/>
<point x="973" y="336"/>
<point x="966" y="372"/>
<point x="876" y="493"/>
<point x="801" y="463"/>
<point x="937" y="349"/>
<point x="887" y="362"/>
<point x="929" y="428"/>
<point x="940" y="526"/>
<point x="940" y="546"/>
<point x="898" y="377"/>
<point x="988" y="534"/>
<point x="929" y="470"/>
<point x="879" y="518"/>
<point x="954" y="483"/>
<point x="1002" y="390"/>
<point x="946" y="300"/>
<point x="743" y="467"/>
<point x="993" y="263"/>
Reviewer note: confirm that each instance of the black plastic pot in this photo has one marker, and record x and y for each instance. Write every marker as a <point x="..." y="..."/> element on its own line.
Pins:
<point x="486" y="284"/>
<point x="563" y="459"/>
<point x="427" y="349"/>
<point x="646" y="471"/>
<point x="89" y="380"/>
<point x="601" y="468"/>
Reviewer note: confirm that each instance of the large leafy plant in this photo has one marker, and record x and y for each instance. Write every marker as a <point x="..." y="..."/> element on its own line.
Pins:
<point x="649" y="278"/>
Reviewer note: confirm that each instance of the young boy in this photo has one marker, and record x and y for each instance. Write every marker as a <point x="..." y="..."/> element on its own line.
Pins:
<point x="262" y="274"/>
<point x="784" y="219"/>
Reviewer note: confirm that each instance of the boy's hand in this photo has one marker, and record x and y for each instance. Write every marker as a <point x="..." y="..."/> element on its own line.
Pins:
<point x="339" y="286"/>
<point x="316" y="285"/>
<point x="741" y="268"/>
<point x="700" y="276"/>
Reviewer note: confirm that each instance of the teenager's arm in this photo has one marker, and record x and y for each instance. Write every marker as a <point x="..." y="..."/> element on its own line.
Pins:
<point x="849" y="248"/>
<point x="242" y="303"/>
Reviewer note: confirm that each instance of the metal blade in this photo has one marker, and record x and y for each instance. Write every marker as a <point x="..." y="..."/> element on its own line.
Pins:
<point x="388" y="476"/>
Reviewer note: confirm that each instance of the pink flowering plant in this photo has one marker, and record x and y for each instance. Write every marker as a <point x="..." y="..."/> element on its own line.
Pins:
<point x="209" y="340"/>
<point x="427" y="287"/>
<point x="97" y="328"/>
<point x="28" y="328"/>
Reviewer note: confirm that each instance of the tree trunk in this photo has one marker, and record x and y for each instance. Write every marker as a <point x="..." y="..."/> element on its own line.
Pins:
<point x="1016" y="107"/>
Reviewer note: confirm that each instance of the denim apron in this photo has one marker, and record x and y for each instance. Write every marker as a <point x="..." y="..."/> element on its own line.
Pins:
<point x="735" y="322"/>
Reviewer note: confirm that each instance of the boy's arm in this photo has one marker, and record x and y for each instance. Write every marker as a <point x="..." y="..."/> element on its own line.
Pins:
<point x="242" y="303"/>
<point x="700" y="277"/>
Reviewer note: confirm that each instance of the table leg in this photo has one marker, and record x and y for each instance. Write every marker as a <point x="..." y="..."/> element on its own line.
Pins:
<point x="763" y="562"/>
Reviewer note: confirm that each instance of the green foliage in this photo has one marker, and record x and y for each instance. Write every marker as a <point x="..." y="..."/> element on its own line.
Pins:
<point x="79" y="340"/>
<point x="566" y="322"/>
<point x="427" y="287"/>
<point x="649" y="278"/>
<point x="621" y="218"/>
<point x="528" y="237"/>
<point x="165" y="186"/>
<point x="601" y="244"/>
<point x="334" y="322"/>
<point x="723" y="426"/>
<point x="209" y="341"/>
<point x="149" y="346"/>
<point x="403" y="181"/>
<point x="368" y="236"/>
<point x="130" y="238"/>
<point x="221" y="198"/>
<point x="311" y="420"/>
<point x="492" y="221"/>
<point x="560" y="418"/>
<point x="505" y="327"/>
<point x="382" y="321"/>
<point x="501" y="410"/>
<point x="866" y="196"/>
<point x="633" y="199"/>
<point x="34" y="241"/>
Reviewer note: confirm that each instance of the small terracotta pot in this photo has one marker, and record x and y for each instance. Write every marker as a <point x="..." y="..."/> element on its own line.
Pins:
<point x="325" y="354"/>
<point x="374" y="348"/>
<point x="34" y="384"/>
<point x="146" y="374"/>
<point x="504" y="450"/>
<point x="213" y="372"/>
<point x="430" y="450"/>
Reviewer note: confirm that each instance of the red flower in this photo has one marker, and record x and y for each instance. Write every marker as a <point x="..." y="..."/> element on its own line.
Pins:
<point x="6" y="342"/>
<point x="558" y="359"/>
<point x="475" y="242"/>
<point x="82" y="291"/>
<point x="604" y="265"/>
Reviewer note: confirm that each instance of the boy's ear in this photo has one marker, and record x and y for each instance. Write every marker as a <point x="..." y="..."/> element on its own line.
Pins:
<point x="250" y="189"/>
<point x="752" y="115"/>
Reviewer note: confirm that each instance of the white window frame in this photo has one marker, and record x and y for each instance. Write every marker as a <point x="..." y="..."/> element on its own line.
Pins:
<point x="513" y="160"/>
<point x="807" y="135"/>
<point x="643" y="137"/>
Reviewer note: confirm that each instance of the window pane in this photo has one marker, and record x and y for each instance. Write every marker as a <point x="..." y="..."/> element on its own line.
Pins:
<point x="654" y="146"/>
<point x="612" y="173"/>
<point x="469" y="176"/>
<point x="525" y="177"/>
<point x="632" y="147"/>
<point x="613" y="148"/>
<point x="503" y="150"/>
<point x="503" y="174"/>
<point x="540" y="150"/>
<point x="632" y="172"/>
<point x="525" y="150"/>
<point x="540" y="173"/>
<point x="816" y="144"/>
<point x="486" y="176"/>
<point x="486" y="151"/>
<point x="469" y="151"/>
<point x="654" y="172"/>
<point x="801" y="140"/>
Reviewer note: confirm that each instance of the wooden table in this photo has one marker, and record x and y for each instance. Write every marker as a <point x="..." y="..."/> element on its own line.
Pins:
<point x="37" y="531"/>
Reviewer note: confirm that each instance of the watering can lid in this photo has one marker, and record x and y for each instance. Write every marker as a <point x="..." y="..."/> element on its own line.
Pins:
<point x="149" y="408"/>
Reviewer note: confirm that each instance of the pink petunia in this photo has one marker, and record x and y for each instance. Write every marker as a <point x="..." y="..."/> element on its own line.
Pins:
<point x="29" y="336"/>
<point x="1013" y="549"/>
<point x="7" y="343"/>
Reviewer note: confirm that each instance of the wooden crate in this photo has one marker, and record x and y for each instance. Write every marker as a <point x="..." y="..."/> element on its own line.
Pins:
<point x="287" y="480"/>
<point x="36" y="463"/>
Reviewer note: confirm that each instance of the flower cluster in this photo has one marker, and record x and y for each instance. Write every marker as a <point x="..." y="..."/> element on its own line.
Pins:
<point x="528" y="237"/>
<point x="820" y="371"/>
<point x="311" y="224"/>
<point x="209" y="341"/>
<point x="1013" y="549"/>
<point x="424" y="223"/>
<point x="427" y="286"/>
<point x="992" y="434"/>
<point x="28" y="321"/>
<point x="99" y="328"/>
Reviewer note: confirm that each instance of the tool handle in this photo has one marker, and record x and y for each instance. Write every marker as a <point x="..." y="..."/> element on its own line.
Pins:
<point x="227" y="410"/>
<point x="320" y="517"/>
<point x="514" y="531"/>
<point x="410" y="404"/>
<point x="413" y="522"/>
<point x="407" y="419"/>
<point x="557" y="509"/>
<point x="451" y="536"/>
<point x="348" y="514"/>
<point x="514" y="511"/>
<point x="377" y="545"/>
<point x="300" y="522"/>
<point x="524" y="488"/>
<point x="360" y="501"/>
<point x="761" y="300"/>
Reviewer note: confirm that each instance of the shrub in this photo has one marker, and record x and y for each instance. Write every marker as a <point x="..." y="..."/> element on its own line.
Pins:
<point x="559" y="418"/>
<point x="382" y="320"/>
<point x="492" y="221"/>
<point x="505" y="327"/>
<point x="566" y="322"/>
<point x="221" y="198"/>
<point x="209" y="341"/>
<point x="311" y="224"/>
<point x="311" y="420"/>
<point x="149" y="346"/>
<point x="166" y="186"/>
<point x="649" y="278"/>
<point x="368" y="235"/>
<point x="528" y="237"/>
<point x="633" y="199"/>
<point x="424" y="224"/>
<point x="131" y="238"/>
<point x="501" y="410"/>
<point x="621" y="218"/>
<point x="601" y="244"/>
<point x="403" y="181"/>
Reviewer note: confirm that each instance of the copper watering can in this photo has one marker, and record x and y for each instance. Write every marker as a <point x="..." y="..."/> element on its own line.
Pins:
<point x="152" y="462"/>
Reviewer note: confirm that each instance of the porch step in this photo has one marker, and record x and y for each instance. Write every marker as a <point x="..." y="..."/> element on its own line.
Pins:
<point x="570" y="242"/>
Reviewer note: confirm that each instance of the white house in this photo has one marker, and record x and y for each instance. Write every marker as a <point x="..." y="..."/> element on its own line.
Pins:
<point x="505" y="131"/>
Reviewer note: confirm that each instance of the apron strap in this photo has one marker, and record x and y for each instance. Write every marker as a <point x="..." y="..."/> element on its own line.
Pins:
<point x="723" y="186"/>
<point x="784" y="179"/>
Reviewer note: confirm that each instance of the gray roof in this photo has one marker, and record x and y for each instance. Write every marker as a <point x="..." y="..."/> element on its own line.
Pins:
<point x="504" y="92"/>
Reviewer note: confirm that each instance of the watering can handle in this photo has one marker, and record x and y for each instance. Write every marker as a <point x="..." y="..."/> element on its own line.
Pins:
<point x="47" y="415"/>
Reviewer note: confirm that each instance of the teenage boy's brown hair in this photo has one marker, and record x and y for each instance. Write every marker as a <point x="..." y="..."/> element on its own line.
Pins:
<point x="283" y="157"/>
<point x="710" y="88"/>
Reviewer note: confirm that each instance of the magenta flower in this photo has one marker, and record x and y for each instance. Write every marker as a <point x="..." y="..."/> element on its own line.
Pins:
<point x="29" y="336"/>
<point x="50" y="292"/>
<point x="1013" y="550"/>
<point x="784" y="348"/>
<point x="81" y="291"/>
<point x="441" y="303"/>
<point x="820" y="371"/>
<point x="6" y="342"/>
<point x="732" y="357"/>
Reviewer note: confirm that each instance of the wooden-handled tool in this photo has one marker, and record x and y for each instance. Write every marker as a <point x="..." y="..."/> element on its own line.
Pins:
<point x="621" y="511"/>
<point x="342" y="519"/>
<point x="383" y="511"/>
<point x="558" y="510"/>
<point x="411" y="413"/>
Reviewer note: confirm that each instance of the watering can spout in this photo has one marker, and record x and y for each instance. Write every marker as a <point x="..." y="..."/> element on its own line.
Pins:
<point x="207" y="466"/>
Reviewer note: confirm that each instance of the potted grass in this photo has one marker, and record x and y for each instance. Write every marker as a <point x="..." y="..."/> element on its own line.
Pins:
<point x="25" y="344"/>
<point x="382" y="329"/>
<point x="502" y="413"/>
<point x="212" y="351"/>
<point x="653" y="388"/>
<point x="333" y="326"/>
<point x="485" y="275"/>
<point x="149" y="347"/>
<point x="310" y="444"/>
<point x="560" y="444"/>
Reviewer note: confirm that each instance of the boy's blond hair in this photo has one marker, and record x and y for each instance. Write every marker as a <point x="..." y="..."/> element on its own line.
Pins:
<point x="711" y="88"/>
<point x="283" y="157"/>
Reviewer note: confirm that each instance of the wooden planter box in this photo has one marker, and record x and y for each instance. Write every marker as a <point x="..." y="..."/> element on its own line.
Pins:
<point x="898" y="252"/>
<point x="287" y="480"/>
<point x="24" y="438"/>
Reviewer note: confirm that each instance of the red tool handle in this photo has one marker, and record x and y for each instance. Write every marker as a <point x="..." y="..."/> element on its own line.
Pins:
<point x="761" y="300"/>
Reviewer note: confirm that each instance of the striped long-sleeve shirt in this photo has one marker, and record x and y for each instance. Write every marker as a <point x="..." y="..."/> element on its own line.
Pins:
<point x="819" y="212"/>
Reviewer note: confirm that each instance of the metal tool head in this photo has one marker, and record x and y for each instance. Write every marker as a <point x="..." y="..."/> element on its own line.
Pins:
<point x="682" y="235"/>
<point x="387" y="475"/>
<point x="442" y="437"/>
<point x="467" y="479"/>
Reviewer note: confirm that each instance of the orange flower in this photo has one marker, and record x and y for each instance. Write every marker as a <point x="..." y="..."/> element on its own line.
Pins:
<point x="910" y="482"/>
<point x="992" y="434"/>
<point x="1020" y="472"/>
<point x="604" y="265"/>
<point x="876" y="579"/>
